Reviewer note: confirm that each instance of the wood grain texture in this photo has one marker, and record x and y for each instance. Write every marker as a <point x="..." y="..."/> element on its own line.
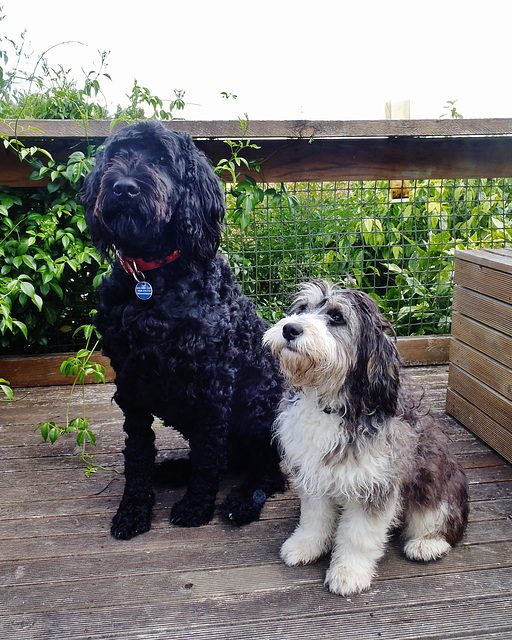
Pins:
<point x="493" y="282"/>
<point x="499" y="259"/>
<point x="495" y="344"/>
<point x="35" y="371"/>
<point x="44" y="370"/>
<point x="37" y="129"/>
<point x="480" y="373"/>
<point x="492" y="403"/>
<point x="310" y="150"/>
<point x="63" y="576"/>
<point x="494" y="434"/>
<point x="483" y="309"/>
<point x="488" y="371"/>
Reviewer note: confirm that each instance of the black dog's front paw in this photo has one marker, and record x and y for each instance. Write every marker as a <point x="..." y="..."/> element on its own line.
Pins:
<point x="131" y="519"/>
<point x="242" y="507"/>
<point x="187" y="513"/>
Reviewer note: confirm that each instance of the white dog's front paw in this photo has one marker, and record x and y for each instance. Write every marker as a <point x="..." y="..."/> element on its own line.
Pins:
<point x="301" y="549"/>
<point x="346" y="581"/>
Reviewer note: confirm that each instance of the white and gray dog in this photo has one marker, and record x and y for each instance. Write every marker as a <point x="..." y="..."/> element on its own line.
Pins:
<point x="363" y="457"/>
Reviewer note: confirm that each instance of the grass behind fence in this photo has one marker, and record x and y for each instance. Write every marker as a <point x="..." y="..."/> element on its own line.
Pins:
<point x="397" y="249"/>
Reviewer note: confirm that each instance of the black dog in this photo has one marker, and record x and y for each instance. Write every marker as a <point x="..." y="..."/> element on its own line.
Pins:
<point x="187" y="345"/>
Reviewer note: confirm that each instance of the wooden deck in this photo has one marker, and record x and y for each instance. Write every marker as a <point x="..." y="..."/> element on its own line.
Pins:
<point x="63" y="576"/>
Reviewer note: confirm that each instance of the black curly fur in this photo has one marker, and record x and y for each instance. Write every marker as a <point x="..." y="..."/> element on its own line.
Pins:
<point x="192" y="353"/>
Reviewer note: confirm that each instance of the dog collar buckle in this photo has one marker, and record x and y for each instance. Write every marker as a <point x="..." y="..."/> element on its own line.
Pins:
<point x="130" y="266"/>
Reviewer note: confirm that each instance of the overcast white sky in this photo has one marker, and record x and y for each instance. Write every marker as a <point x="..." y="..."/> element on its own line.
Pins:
<point x="286" y="59"/>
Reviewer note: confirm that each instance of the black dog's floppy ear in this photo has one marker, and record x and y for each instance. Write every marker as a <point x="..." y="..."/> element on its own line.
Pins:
<point x="202" y="208"/>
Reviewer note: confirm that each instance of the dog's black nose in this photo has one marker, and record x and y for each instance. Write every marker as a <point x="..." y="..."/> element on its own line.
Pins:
<point x="292" y="330"/>
<point x="126" y="187"/>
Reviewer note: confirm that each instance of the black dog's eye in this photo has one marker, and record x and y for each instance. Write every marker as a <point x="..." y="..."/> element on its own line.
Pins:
<point x="336" y="317"/>
<point x="162" y="161"/>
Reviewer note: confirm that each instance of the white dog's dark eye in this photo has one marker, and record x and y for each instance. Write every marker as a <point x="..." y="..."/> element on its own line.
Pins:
<point x="336" y="317"/>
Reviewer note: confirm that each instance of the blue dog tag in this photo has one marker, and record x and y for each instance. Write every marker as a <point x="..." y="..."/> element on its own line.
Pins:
<point x="143" y="290"/>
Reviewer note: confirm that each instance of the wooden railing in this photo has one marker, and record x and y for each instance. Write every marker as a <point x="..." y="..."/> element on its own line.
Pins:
<point x="309" y="150"/>
<point x="304" y="151"/>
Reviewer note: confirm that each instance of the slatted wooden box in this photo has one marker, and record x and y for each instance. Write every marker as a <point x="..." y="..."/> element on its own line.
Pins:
<point x="480" y="371"/>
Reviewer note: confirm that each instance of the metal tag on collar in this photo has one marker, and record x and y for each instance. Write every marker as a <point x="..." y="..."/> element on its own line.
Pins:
<point x="143" y="290"/>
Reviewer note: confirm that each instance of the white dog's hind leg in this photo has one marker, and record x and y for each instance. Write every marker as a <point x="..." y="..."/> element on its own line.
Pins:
<point x="360" y="540"/>
<point x="423" y="534"/>
<point x="313" y="536"/>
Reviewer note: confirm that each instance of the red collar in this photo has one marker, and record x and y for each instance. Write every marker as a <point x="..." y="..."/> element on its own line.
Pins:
<point x="133" y="266"/>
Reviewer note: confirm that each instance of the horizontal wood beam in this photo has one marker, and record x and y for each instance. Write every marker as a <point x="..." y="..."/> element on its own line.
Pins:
<point x="268" y="129"/>
<point x="391" y="149"/>
<point x="377" y="159"/>
<point x="44" y="370"/>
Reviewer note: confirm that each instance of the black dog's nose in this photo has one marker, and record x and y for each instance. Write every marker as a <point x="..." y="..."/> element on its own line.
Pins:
<point x="126" y="187"/>
<point x="292" y="330"/>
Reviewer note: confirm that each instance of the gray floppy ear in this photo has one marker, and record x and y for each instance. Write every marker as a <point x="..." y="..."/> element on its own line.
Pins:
<point x="383" y="373"/>
<point x="375" y="380"/>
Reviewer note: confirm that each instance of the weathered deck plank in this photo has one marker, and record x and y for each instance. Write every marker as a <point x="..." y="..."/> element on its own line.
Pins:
<point x="63" y="576"/>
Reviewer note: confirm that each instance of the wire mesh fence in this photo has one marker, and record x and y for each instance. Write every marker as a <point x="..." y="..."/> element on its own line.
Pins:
<point x="394" y="240"/>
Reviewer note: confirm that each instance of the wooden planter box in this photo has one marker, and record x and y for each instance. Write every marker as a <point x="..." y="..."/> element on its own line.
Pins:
<point x="480" y="372"/>
<point x="43" y="371"/>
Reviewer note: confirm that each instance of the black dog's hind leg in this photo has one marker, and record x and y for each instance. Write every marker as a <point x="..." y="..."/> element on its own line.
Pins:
<point x="207" y="463"/>
<point x="134" y="513"/>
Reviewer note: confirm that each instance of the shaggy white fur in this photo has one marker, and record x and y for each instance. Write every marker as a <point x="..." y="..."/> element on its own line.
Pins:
<point x="336" y="483"/>
<point x="364" y="460"/>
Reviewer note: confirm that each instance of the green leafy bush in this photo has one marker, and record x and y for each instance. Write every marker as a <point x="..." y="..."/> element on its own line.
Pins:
<point x="399" y="251"/>
<point x="49" y="267"/>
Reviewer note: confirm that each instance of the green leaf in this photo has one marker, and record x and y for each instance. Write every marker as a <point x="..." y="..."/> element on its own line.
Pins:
<point x="38" y="301"/>
<point x="22" y="327"/>
<point x="65" y="367"/>
<point x="50" y="314"/>
<point x="30" y="262"/>
<point x="27" y="288"/>
<point x="53" y="187"/>
<point x="45" y="428"/>
<point x="50" y="430"/>
<point x="47" y="277"/>
<point x="57" y="288"/>
<point x="8" y="392"/>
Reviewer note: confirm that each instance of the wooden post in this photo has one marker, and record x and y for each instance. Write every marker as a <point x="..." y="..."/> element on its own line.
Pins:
<point x="398" y="110"/>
